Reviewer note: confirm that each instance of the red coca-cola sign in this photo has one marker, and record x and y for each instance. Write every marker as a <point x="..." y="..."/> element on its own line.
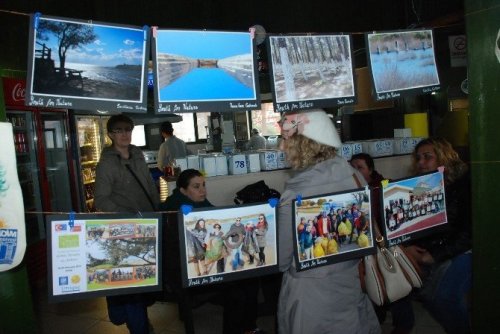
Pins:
<point x="14" y="91"/>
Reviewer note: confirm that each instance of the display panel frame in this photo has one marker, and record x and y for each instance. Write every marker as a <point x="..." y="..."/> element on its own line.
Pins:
<point x="333" y="212"/>
<point x="311" y="71"/>
<point x="402" y="63"/>
<point x="199" y="70"/>
<point x="82" y="250"/>
<point x="238" y="247"/>
<point x="400" y="197"/>
<point x="105" y="69"/>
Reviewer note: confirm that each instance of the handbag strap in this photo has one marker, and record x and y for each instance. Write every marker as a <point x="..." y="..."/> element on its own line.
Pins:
<point x="378" y="236"/>
<point x="142" y="186"/>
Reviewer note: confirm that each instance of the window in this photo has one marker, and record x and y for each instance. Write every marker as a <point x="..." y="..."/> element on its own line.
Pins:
<point x="202" y="124"/>
<point x="266" y="120"/>
<point x="138" y="136"/>
<point x="191" y="128"/>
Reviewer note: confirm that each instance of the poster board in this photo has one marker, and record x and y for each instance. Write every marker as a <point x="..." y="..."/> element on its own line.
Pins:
<point x="204" y="71"/>
<point x="311" y="71"/>
<point x="241" y="248"/>
<point x="76" y="64"/>
<point x="402" y="63"/>
<point x="413" y="207"/>
<point x="95" y="255"/>
<point x="331" y="228"/>
<point x="12" y="219"/>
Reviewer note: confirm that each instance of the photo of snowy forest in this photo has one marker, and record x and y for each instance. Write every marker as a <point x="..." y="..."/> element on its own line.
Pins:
<point x="311" y="67"/>
<point x="402" y="60"/>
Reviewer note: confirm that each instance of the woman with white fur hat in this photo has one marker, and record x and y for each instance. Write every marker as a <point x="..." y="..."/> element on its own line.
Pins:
<point x="327" y="299"/>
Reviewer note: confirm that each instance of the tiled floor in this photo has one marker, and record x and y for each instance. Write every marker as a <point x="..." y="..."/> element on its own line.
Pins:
<point x="90" y="316"/>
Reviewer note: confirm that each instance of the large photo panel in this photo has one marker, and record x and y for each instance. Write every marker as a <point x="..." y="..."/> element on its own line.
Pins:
<point x="402" y="63"/>
<point x="331" y="228"/>
<point x="204" y="71"/>
<point x="227" y="244"/>
<point x="413" y="207"/>
<point x="74" y="64"/>
<point x="311" y="71"/>
<point x="103" y="254"/>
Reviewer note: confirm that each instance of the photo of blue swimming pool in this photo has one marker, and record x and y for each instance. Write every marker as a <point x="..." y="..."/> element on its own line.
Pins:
<point x="198" y="66"/>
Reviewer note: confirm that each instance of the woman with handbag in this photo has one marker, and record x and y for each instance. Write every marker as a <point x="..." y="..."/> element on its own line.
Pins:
<point x="124" y="184"/>
<point x="327" y="299"/>
<point x="447" y="256"/>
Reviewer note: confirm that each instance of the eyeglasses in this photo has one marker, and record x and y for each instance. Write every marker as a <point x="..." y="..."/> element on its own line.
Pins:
<point x="261" y="218"/>
<point x="238" y="219"/>
<point x="120" y="130"/>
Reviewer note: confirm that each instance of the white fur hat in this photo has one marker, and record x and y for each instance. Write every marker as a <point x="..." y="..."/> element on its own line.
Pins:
<point x="314" y="124"/>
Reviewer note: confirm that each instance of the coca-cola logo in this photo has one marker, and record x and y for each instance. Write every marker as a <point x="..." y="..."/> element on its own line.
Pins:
<point x="18" y="92"/>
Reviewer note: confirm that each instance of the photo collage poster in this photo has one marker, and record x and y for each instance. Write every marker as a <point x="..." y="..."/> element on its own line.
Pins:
<point x="75" y="64"/>
<point x="402" y="63"/>
<point x="102" y="255"/>
<point x="413" y="207"/>
<point x="311" y="71"/>
<point x="227" y="244"/>
<point x="198" y="70"/>
<point x="332" y="228"/>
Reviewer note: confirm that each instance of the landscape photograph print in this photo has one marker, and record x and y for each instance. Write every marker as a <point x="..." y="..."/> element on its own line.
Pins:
<point x="86" y="61"/>
<point x="203" y="67"/>
<point x="312" y="67"/>
<point x="402" y="61"/>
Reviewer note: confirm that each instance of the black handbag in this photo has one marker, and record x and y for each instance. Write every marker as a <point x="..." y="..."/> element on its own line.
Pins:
<point x="255" y="192"/>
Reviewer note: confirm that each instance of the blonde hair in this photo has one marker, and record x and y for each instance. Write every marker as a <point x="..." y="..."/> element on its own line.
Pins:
<point x="446" y="156"/>
<point x="303" y="152"/>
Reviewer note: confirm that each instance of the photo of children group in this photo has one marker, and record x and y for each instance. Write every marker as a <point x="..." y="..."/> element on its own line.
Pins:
<point x="413" y="205"/>
<point x="121" y="253"/>
<point x="226" y="241"/>
<point x="332" y="227"/>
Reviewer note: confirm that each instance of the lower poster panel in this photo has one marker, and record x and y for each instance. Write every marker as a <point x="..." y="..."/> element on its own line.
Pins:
<point x="103" y="254"/>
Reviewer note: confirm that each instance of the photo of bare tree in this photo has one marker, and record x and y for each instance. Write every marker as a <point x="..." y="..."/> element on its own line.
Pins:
<point x="75" y="64"/>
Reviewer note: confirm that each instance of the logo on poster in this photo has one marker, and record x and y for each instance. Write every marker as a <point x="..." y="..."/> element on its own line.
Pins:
<point x="60" y="227"/>
<point x="63" y="280"/>
<point x="76" y="228"/>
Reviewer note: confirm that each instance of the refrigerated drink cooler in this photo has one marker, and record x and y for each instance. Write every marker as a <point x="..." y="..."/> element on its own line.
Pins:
<point x="92" y="138"/>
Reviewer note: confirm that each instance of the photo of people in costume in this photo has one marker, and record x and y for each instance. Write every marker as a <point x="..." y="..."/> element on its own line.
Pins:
<point x="222" y="242"/>
<point x="332" y="228"/>
<point x="413" y="205"/>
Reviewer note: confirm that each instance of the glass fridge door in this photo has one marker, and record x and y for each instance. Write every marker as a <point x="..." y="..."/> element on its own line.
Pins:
<point x="25" y="143"/>
<point x="55" y="140"/>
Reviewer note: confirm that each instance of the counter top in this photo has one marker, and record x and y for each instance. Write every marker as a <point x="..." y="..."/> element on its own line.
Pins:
<point x="223" y="189"/>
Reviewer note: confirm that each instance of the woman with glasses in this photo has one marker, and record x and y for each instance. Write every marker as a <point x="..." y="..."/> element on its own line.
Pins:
<point x="124" y="184"/>
<point x="447" y="256"/>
